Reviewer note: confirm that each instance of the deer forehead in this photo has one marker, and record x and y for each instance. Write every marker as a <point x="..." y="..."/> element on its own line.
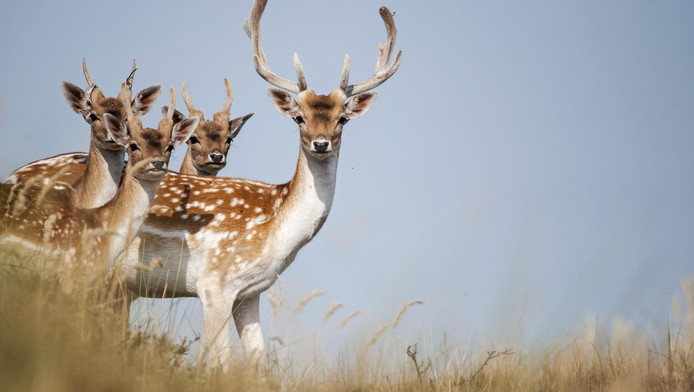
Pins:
<point x="210" y="131"/>
<point x="151" y="138"/>
<point x="321" y="112"/>
<point x="324" y="107"/>
<point x="112" y="106"/>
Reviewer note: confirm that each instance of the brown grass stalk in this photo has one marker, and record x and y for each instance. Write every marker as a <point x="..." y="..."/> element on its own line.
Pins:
<point x="306" y="300"/>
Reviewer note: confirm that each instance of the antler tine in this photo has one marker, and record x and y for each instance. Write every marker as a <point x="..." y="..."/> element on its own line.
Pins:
<point x="259" y="56"/>
<point x="383" y="71"/>
<point x="86" y="73"/>
<point x="385" y="51"/>
<point x="344" y="77"/>
<point x="129" y="80"/>
<point x="230" y="97"/>
<point x="300" y="73"/>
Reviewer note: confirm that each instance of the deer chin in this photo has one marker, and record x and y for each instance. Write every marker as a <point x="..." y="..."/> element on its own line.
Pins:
<point x="321" y="155"/>
<point x="214" y="166"/>
<point x="151" y="174"/>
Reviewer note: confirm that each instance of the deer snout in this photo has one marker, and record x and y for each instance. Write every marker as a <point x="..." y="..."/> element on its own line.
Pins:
<point x="217" y="158"/>
<point x="321" y="145"/>
<point x="158" y="165"/>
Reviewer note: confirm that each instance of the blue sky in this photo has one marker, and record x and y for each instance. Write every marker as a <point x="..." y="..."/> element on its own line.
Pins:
<point x="530" y="162"/>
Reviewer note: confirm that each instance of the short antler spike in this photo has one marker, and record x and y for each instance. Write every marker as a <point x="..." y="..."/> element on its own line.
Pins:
<point x="222" y="116"/>
<point x="172" y="104"/>
<point x="230" y="96"/>
<point x="86" y="73"/>
<point x="192" y="111"/>
<point x="126" y="97"/>
<point x="129" y="80"/>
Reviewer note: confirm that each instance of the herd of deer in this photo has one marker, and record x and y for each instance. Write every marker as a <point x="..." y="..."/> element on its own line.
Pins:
<point x="158" y="233"/>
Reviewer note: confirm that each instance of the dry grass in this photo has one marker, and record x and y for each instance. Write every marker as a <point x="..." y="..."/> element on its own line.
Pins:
<point x="54" y="340"/>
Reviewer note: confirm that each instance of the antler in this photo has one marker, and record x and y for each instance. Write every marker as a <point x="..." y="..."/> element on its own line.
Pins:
<point x="86" y="73"/>
<point x="192" y="111"/>
<point x="222" y="116"/>
<point x="172" y="105"/>
<point x="129" y="80"/>
<point x="126" y="96"/>
<point x="383" y="71"/>
<point x="92" y="86"/>
<point x="252" y="28"/>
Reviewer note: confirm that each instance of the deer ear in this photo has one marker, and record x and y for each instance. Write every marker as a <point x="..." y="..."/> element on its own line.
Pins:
<point x="183" y="130"/>
<point x="77" y="98"/>
<point x="360" y="104"/>
<point x="284" y="102"/>
<point x="236" y="124"/>
<point x="177" y="116"/>
<point x="116" y="129"/>
<point x="144" y="100"/>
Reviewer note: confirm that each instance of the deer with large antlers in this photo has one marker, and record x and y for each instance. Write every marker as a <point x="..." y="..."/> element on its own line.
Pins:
<point x="98" y="181"/>
<point x="88" y="240"/>
<point x="209" y="145"/>
<point x="226" y="240"/>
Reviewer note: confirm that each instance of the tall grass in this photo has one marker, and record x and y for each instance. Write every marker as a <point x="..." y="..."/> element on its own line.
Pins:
<point x="54" y="338"/>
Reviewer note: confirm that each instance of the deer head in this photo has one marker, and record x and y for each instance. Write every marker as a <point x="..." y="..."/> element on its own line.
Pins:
<point x="149" y="150"/>
<point x="93" y="105"/>
<point x="321" y="117"/>
<point x="209" y="145"/>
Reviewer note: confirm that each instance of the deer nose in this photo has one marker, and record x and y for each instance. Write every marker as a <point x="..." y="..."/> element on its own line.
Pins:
<point x="216" y="158"/>
<point x="159" y="165"/>
<point x="321" y="146"/>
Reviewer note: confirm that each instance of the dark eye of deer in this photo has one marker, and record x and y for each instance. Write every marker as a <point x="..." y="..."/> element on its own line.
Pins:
<point x="299" y="119"/>
<point x="170" y="148"/>
<point x="194" y="140"/>
<point x="342" y="121"/>
<point x="229" y="140"/>
<point x="93" y="117"/>
<point x="134" y="147"/>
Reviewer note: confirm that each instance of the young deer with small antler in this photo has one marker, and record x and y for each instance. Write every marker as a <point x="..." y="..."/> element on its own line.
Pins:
<point x="89" y="240"/>
<point x="209" y="145"/>
<point x="226" y="240"/>
<point x="98" y="182"/>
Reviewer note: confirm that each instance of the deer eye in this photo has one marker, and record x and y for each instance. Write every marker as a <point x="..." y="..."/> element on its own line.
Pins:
<point x="93" y="117"/>
<point x="170" y="148"/>
<point x="134" y="147"/>
<point x="299" y="120"/>
<point x="229" y="140"/>
<point x="343" y="120"/>
<point x="194" y="140"/>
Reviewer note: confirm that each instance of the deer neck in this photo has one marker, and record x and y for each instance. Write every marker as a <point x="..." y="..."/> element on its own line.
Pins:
<point x="101" y="177"/>
<point x="187" y="167"/>
<point x="123" y="215"/>
<point x="306" y="206"/>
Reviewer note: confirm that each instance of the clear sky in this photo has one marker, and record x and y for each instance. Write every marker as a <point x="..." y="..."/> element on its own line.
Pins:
<point x="530" y="163"/>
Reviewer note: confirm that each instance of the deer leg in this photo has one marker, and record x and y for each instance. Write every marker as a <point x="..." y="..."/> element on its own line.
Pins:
<point x="217" y="308"/>
<point x="247" y="318"/>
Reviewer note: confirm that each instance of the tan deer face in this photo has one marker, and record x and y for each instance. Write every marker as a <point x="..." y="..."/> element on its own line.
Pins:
<point x="93" y="105"/>
<point x="210" y="143"/>
<point x="321" y="117"/>
<point x="149" y="150"/>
